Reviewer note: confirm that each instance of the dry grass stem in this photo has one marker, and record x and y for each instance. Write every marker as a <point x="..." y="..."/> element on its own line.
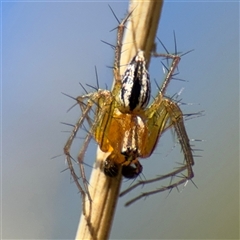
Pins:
<point x="140" y="34"/>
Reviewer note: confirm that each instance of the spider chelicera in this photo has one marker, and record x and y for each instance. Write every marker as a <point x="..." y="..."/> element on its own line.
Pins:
<point x="125" y="125"/>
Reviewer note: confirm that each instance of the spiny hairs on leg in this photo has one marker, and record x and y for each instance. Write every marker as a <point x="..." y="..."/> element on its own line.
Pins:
<point x="120" y="32"/>
<point x="86" y="103"/>
<point x="69" y="157"/>
<point x="176" y="57"/>
<point x="176" y="121"/>
<point x="186" y="148"/>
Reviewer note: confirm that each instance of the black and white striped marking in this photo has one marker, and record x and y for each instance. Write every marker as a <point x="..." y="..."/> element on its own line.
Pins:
<point x="136" y="89"/>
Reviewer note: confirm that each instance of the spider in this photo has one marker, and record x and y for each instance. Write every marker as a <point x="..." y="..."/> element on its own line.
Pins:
<point x="125" y="125"/>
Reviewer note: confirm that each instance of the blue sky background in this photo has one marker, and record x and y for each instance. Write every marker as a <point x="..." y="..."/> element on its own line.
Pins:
<point x="47" y="48"/>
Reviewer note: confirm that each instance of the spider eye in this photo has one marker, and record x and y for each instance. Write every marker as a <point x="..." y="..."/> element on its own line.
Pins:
<point x="135" y="91"/>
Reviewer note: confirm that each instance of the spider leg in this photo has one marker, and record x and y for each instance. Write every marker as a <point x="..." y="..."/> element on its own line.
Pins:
<point x="161" y="189"/>
<point x="170" y="71"/>
<point x="80" y="161"/>
<point x="99" y="127"/>
<point x="120" y="33"/>
<point x="158" y="120"/>
<point x="86" y="103"/>
<point x="172" y="117"/>
<point x="69" y="157"/>
<point x="185" y="145"/>
<point x="117" y="84"/>
<point x="143" y="182"/>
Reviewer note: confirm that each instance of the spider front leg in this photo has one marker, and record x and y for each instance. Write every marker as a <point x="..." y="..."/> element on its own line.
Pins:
<point x="69" y="158"/>
<point x="87" y="103"/>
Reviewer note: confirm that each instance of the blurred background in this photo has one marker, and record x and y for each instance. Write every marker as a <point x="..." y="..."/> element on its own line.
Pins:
<point x="48" y="48"/>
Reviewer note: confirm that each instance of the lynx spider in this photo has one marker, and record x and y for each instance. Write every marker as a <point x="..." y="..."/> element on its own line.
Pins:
<point x="125" y="126"/>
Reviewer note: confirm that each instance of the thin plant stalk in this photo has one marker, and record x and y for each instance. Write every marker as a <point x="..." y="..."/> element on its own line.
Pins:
<point x="140" y="34"/>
